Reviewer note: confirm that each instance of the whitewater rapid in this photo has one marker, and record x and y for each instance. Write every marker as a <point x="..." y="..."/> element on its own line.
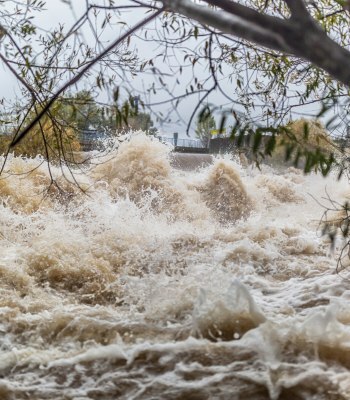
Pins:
<point x="140" y="281"/>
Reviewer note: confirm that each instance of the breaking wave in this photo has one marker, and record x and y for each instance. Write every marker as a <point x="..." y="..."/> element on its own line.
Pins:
<point x="148" y="282"/>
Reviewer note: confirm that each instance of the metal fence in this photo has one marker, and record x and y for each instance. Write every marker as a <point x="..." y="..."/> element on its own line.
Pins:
<point x="191" y="143"/>
<point x="93" y="139"/>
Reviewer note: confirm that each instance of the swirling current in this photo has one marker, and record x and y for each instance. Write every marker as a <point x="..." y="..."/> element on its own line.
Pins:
<point x="143" y="281"/>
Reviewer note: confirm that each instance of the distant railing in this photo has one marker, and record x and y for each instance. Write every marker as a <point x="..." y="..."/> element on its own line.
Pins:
<point x="191" y="143"/>
<point x="92" y="139"/>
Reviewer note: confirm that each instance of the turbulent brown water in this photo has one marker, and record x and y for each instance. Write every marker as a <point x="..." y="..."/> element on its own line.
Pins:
<point x="165" y="284"/>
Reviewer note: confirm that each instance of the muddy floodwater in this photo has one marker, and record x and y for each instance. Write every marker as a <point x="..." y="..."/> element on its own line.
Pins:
<point x="158" y="283"/>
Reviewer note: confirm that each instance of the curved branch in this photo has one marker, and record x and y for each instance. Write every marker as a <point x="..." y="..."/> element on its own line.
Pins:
<point x="295" y="37"/>
<point x="76" y="78"/>
<point x="231" y="22"/>
<point x="298" y="9"/>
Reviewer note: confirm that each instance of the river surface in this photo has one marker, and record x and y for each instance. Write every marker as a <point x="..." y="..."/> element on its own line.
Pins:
<point x="148" y="282"/>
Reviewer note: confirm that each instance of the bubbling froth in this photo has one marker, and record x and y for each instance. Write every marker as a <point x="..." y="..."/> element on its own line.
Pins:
<point x="153" y="282"/>
<point x="225" y="194"/>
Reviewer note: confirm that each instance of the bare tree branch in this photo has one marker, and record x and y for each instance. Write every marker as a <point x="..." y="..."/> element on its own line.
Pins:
<point x="83" y="71"/>
<point x="298" y="9"/>
<point x="231" y="23"/>
<point x="294" y="37"/>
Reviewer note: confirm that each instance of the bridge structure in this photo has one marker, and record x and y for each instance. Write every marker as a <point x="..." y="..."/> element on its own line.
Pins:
<point x="185" y="145"/>
<point x="91" y="139"/>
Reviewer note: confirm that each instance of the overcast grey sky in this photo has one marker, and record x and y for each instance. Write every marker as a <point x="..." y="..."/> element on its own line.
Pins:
<point x="57" y="12"/>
